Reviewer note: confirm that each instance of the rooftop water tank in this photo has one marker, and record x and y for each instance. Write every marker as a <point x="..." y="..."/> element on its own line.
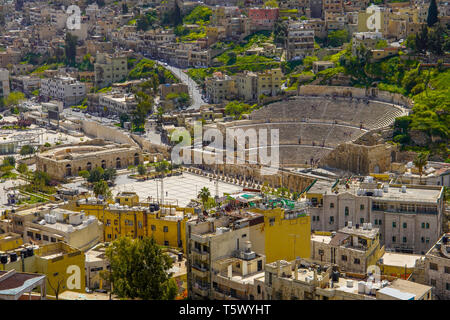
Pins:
<point x="361" y="287"/>
<point x="368" y="288"/>
<point x="350" y="224"/>
<point x="3" y="259"/>
<point x="13" y="257"/>
<point x="403" y="189"/>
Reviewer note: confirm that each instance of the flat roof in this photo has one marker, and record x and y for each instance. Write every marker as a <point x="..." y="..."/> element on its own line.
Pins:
<point x="401" y="259"/>
<point x="320" y="238"/>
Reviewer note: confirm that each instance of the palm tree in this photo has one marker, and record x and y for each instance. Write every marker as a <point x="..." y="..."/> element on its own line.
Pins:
<point x="420" y="162"/>
<point x="204" y="194"/>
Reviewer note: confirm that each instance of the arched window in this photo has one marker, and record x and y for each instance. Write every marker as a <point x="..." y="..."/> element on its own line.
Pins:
<point x="346" y="211"/>
<point x="118" y="164"/>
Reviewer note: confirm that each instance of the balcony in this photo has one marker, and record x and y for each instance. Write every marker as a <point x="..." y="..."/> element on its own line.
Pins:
<point x="199" y="271"/>
<point x="200" y="289"/>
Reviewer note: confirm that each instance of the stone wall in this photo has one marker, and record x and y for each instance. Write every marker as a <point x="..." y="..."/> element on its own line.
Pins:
<point x="98" y="130"/>
<point x="360" y="159"/>
<point x="149" y="147"/>
<point x="373" y="93"/>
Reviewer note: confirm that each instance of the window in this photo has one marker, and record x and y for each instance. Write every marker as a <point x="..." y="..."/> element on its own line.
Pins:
<point x="422" y="239"/>
<point x="38" y="236"/>
<point x="404" y="240"/>
<point x="375" y="222"/>
<point x="317" y="219"/>
<point x="433" y="282"/>
<point x="30" y="234"/>
<point x="357" y="261"/>
<point x="165" y="229"/>
<point x="109" y="236"/>
<point x="344" y="258"/>
<point x="447" y="269"/>
<point x="314" y="218"/>
<point x="405" y="225"/>
<point x="45" y="238"/>
<point x="361" y="220"/>
<point x="394" y="239"/>
<point x="259" y="265"/>
<point x="271" y="221"/>
<point x="394" y="224"/>
<point x="331" y="205"/>
<point x="427" y="225"/>
<point x="379" y="222"/>
<point x="52" y="239"/>
<point x="447" y="286"/>
<point x="346" y="211"/>
<point x="332" y="219"/>
<point x="433" y="266"/>
<point x="259" y="289"/>
<point x="361" y="207"/>
<point x="423" y="225"/>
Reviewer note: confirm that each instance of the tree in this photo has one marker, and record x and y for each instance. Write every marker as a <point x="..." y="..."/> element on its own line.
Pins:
<point x="139" y="269"/>
<point x="204" y="195"/>
<point x="14" y="99"/>
<point x="101" y="188"/>
<point x="124" y="117"/>
<point x="26" y="150"/>
<point x="70" y="48"/>
<point x="96" y="175"/>
<point x="338" y="38"/>
<point x="436" y="40"/>
<point x="420" y="161"/>
<point x="432" y="17"/>
<point x="9" y="161"/>
<point x="422" y="39"/>
<point x="280" y="32"/>
<point x="110" y="174"/>
<point x="271" y="4"/>
<point x="22" y="168"/>
<point x="84" y="174"/>
<point x="141" y="169"/>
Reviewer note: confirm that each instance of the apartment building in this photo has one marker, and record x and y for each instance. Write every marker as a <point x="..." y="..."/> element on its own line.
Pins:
<point x="332" y="6"/>
<point x="273" y="233"/>
<point x="269" y="82"/>
<point x="409" y="218"/>
<point x="352" y="249"/>
<point x="302" y="280"/>
<point x="4" y="83"/>
<point x="130" y="217"/>
<point x="437" y="268"/>
<point x="263" y="18"/>
<point x="246" y="85"/>
<point x="62" y="265"/>
<point x="110" y="68"/>
<point x="299" y="41"/>
<point x="219" y="87"/>
<point x="25" y="84"/>
<point x="117" y="102"/>
<point x="74" y="228"/>
<point x="63" y="88"/>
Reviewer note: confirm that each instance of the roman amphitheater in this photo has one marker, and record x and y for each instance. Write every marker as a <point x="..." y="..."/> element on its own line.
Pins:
<point x="322" y="128"/>
<point x="68" y="160"/>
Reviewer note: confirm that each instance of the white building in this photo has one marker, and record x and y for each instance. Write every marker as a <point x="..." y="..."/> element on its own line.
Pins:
<point x="118" y="102"/>
<point x="4" y="83"/>
<point x="66" y="89"/>
<point x="300" y="41"/>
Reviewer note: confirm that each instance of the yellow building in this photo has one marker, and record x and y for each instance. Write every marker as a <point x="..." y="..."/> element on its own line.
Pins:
<point x="10" y="241"/>
<point x="131" y="218"/>
<point x="62" y="264"/>
<point x="286" y="234"/>
<point x="269" y="82"/>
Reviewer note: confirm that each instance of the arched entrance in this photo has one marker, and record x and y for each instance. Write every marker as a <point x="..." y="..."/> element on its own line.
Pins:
<point x="68" y="170"/>
<point x="118" y="164"/>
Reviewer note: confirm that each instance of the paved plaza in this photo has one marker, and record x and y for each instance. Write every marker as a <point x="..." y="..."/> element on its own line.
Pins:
<point x="180" y="189"/>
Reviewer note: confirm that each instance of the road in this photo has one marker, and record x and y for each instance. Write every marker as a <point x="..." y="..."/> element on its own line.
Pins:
<point x="194" y="92"/>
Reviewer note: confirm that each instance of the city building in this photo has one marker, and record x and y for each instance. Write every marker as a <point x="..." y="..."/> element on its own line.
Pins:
<point x="353" y="249"/>
<point x="263" y="18"/>
<point x="62" y="265"/>
<point x="409" y="218"/>
<point x="4" y="83"/>
<point x="437" y="267"/>
<point x="117" y="103"/>
<point x="66" y="89"/>
<point x="269" y="82"/>
<point x="110" y="68"/>
<point x="299" y="41"/>
<point x="219" y="87"/>
<point x="67" y="161"/>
